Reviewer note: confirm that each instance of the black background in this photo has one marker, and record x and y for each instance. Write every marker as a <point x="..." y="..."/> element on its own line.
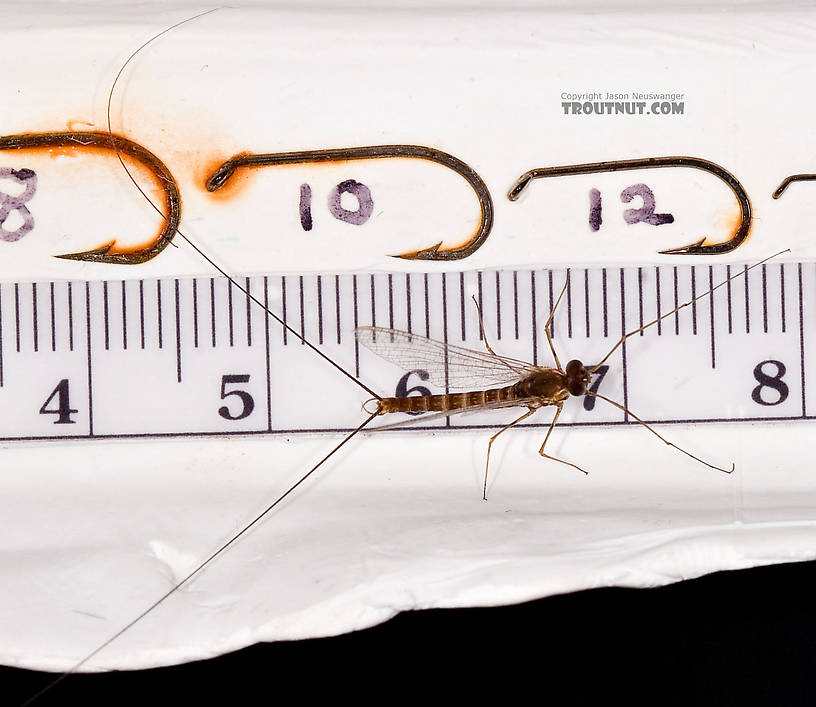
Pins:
<point x="743" y="637"/>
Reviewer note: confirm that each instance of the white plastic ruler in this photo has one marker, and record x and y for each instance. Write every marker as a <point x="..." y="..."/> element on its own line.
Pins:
<point x="141" y="358"/>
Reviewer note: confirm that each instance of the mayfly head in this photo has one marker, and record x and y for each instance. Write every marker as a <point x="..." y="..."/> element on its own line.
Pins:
<point x="578" y="377"/>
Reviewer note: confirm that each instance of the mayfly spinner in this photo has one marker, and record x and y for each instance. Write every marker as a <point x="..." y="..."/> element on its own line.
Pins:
<point x="525" y="385"/>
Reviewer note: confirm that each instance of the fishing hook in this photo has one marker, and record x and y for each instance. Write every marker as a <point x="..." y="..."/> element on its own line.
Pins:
<point x="793" y="178"/>
<point x="696" y="248"/>
<point x="434" y="252"/>
<point x="108" y="253"/>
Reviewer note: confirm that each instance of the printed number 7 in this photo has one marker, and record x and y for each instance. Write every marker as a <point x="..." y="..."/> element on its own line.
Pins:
<point x="589" y="401"/>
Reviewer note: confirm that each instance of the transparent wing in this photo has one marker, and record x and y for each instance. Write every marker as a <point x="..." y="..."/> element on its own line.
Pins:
<point x="457" y="366"/>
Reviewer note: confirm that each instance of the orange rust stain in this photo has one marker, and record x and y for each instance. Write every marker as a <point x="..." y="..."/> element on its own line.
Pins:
<point x="728" y="220"/>
<point x="234" y="187"/>
<point x="76" y="125"/>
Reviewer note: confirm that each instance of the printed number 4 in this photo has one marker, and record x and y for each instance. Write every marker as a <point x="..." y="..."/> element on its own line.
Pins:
<point x="63" y="409"/>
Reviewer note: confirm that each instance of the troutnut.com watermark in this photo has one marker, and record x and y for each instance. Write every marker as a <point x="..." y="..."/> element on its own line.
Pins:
<point x="627" y="103"/>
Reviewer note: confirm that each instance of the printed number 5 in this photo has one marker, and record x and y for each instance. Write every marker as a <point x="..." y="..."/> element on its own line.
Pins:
<point x="247" y="403"/>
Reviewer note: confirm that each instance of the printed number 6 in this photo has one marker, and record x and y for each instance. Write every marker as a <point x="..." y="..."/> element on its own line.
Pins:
<point x="248" y="404"/>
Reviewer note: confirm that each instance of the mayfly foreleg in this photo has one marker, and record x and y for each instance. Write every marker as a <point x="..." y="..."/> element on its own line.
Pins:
<point x="486" y="342"/>
<point x="685" y="304"/>
<point x="658" y="435"/>
<point x="548" y="325"/>
<point x="541" y="451"/>
<point x="493" y="438"/>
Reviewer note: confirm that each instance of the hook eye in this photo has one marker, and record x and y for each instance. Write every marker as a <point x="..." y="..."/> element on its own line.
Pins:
<point x="108" y="252"/>
<point x="699" y="247"/>
<point x="434" y="252"/>
<point x="787" y="181"/>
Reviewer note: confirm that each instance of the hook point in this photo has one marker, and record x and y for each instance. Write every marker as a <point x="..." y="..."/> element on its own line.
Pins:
<point x="430" y="253"/>
<point x="689" y="249"/>
<point x="99" y="254"/>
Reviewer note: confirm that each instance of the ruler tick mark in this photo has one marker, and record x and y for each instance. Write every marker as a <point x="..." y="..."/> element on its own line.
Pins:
<point x="142" y="312"/>
<point x="283" y="307"/>
<point x="373" y="301"/>
<point x="427" y="308"/>
<point x="640" y="297"/>
<point x="445" y="333"/>
<point x="693" y="300"/>
<point x="319" y="310"/>
<point x="178" y="333"/>
<point x="552" y="301"/>
<point x="764" y="299"/>
<point x="88" y="348"/>
<point x="195" y="312"/>
<point x="515" y="303"/>
<point x="124" y="316"/>
<point x="230" y="314"/>
<point x="533" y="316"/>
<point x="70" y="317"/>
<point x="105" y="314"/>
<point x="248" y="284"/>
<point x="391" y="300"/>
<point x="356" y="324"/>
<point x="17" y="313"/>
<point x="462" y="303"/>
<point x="35" y="320"/>
<point x="623" y="346"/>
<point x="657" y="301"/>
<point x="53" y="319"/>
<point x="268" y="358"/>
<point x="159" y="312"/>
<point x="711" y="312"/>
<point x="302" y="312"/>
<point x="676" y="304"/>
<point x="802" y="339"/>
<point x="498" y="306"/>
<point x="337" y="306"/>
<point x="408" y="295"/>
<point x="747" y="303"/>
<point x="782" y="295"/>
<point x="479" y="297"/>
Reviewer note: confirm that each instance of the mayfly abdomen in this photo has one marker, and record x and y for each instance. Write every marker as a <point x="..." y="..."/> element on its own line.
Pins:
<point x="447" y="401"/>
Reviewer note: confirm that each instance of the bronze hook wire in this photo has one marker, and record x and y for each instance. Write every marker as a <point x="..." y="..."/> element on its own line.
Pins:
<point x="696" y="248"/>
<point x="114" y="143"/>
<point x="787" y="181"/>
<point x="434" y="252"/>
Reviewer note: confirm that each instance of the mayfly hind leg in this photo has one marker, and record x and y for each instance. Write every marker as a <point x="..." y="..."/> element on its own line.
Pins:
<point x="547" y="437"/>
<point x="493" y="439"/>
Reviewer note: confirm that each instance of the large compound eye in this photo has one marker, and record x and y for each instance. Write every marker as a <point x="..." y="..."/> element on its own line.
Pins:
<point x="577" y="377"/>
